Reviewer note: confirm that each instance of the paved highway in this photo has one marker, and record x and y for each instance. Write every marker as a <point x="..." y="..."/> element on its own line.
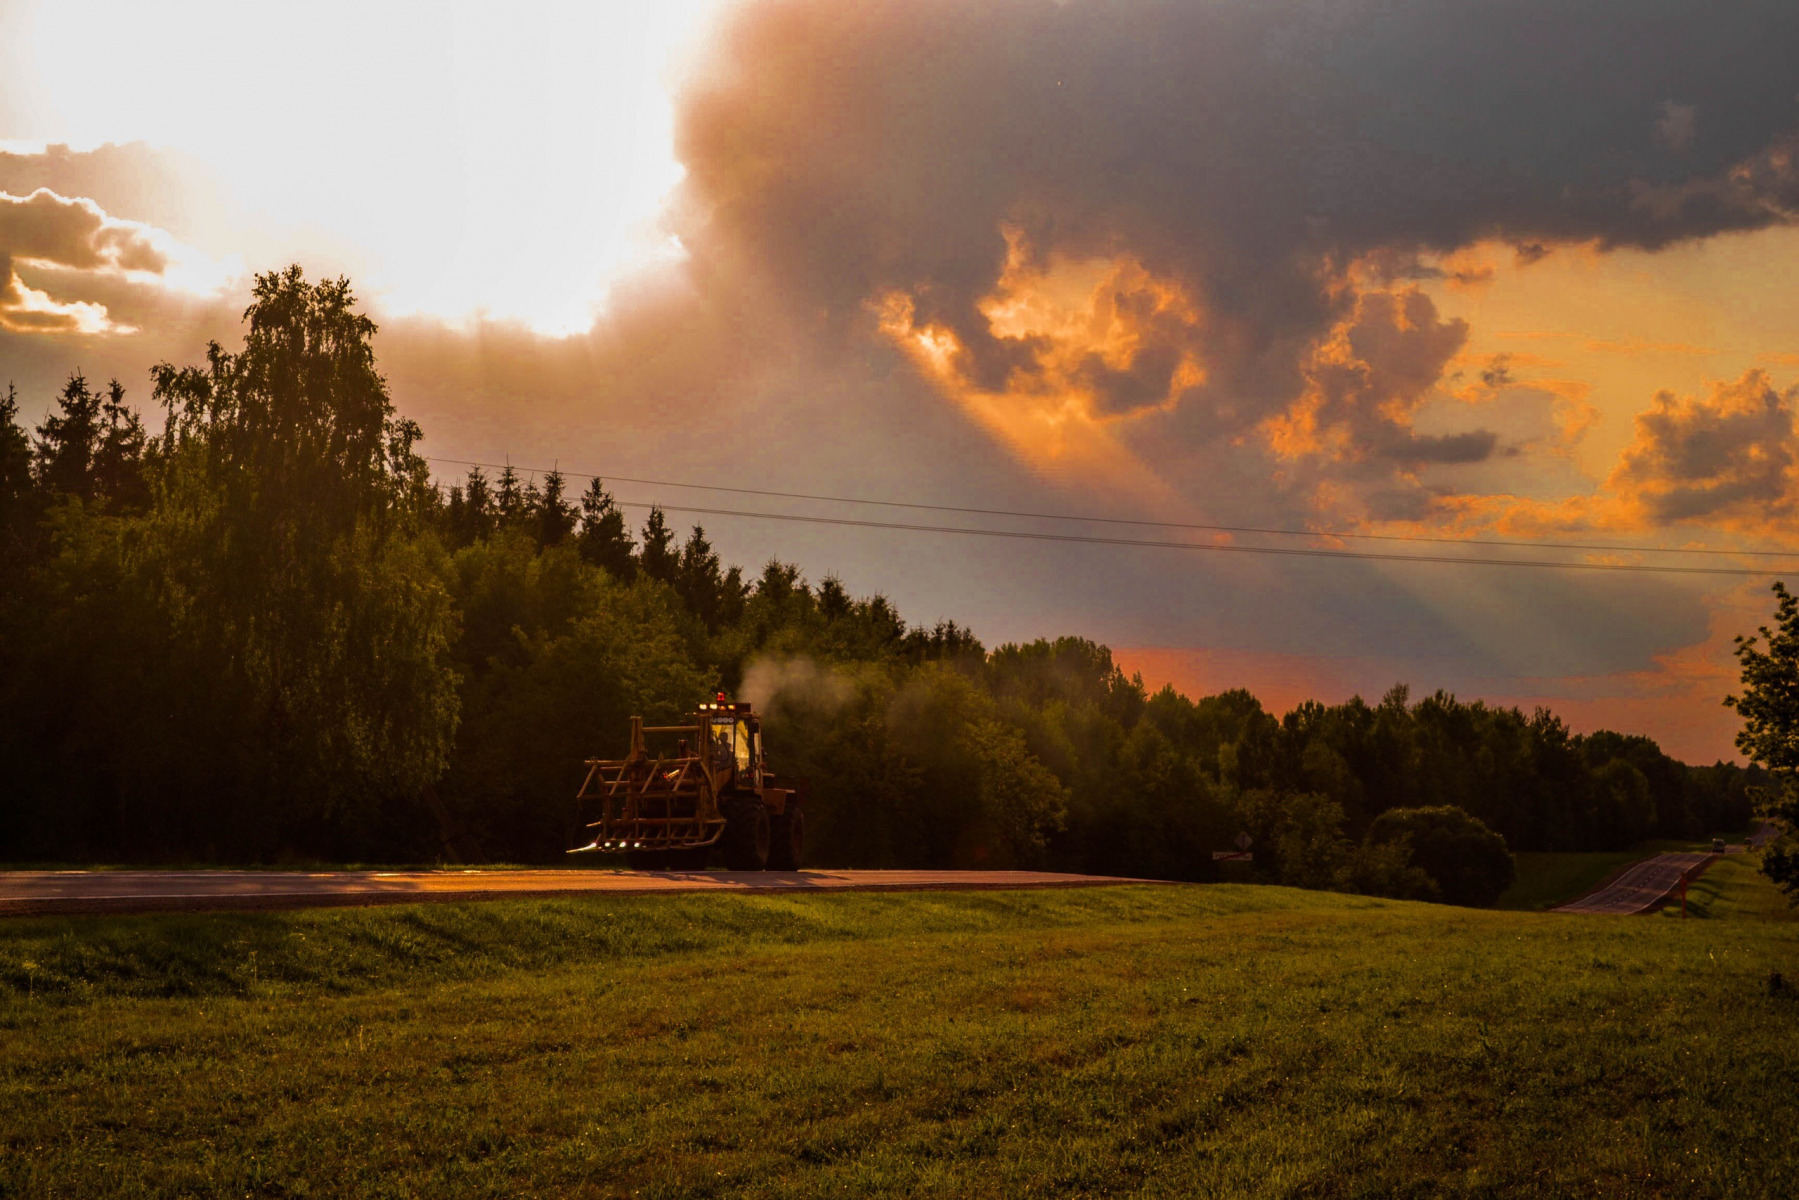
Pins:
<point x="1639" y="888"/>
<point x="39" y="892"/>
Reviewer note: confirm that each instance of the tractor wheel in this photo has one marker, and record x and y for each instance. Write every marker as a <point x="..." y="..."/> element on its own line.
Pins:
<point x="787" y="839"/>
<point x="746" y="834"/>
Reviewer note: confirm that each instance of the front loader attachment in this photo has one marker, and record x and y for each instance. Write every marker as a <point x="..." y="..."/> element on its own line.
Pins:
<point x="645" y="803"/>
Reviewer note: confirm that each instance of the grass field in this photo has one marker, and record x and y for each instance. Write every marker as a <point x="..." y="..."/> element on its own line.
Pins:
<point x="1169" y="1041"/>
<point x="1734" y="888"/>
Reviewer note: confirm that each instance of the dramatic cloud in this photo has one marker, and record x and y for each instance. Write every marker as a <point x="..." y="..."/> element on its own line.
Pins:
<point x="967" y="178"/>
<point x="1364" y="386"/>
<point x="156" y="186"/>
<point x="52" y="231"/>
<point x="1727" y="459"/>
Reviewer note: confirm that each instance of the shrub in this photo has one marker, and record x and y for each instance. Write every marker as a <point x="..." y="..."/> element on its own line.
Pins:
<point x="1469" y="862"/>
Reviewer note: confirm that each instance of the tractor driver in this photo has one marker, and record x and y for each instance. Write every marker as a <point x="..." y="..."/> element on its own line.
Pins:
<point x="724" y="756"/>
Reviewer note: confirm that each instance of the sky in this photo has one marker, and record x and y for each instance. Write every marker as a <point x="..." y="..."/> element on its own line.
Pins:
<point x="1487" y="272"/>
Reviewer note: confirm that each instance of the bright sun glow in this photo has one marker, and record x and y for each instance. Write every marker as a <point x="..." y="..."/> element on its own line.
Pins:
<point x="455" y="158"/>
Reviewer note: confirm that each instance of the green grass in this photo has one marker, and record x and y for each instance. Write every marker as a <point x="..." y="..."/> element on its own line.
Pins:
<point x="1168" y="1041"/>
<point x="1734" y="888"/>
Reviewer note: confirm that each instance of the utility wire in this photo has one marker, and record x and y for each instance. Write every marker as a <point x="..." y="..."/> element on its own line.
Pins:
<point x="1226" y="548"/>
<point x="1002" y="512"/>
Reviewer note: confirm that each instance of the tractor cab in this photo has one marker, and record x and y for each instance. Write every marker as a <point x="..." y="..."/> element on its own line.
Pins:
<point x="733" y="744"/>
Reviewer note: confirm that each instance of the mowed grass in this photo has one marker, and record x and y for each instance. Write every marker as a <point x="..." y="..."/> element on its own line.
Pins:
<point x="1734" y="888"/>
<point x="1164" y="1041"/>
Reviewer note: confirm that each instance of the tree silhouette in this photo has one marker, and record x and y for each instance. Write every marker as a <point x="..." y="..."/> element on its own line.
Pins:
<point x="509" y="497"/>
<point x="18" y="498"/>
<point x="1769" y="707"/>
<point x="556" y="517"/>
<point x="658" y="558"/>
<point x="604" y="540"/>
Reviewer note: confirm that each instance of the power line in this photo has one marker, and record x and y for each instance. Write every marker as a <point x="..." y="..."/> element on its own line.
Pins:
<point x="1289" y="551"/>
<point x="1002" y="512"/>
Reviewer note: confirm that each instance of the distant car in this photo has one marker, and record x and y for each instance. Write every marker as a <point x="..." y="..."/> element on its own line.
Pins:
<point x="1717" y="845"/>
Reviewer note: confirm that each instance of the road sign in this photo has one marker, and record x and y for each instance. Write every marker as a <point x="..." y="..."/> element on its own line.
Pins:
<point x="1243" y="841"/>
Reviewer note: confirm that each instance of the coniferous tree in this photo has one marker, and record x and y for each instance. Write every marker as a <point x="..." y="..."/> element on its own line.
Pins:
<point x="454" y="517"/>
<point x="698" y="578"/>
<point x="658" y="558"/>
<point x="68" y="440"/>
<point x="93" y="446"/>
<point x="556" y="517"/>
<point x="509" y="498"/>
<point x="478" y="508"/>
<point x="604" y="540"/>
<point x="18" y="498"/>
<point x="118" y="465"/>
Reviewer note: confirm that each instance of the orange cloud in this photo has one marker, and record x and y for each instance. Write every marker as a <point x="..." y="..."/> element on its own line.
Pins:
<point x="48" y="230"/>
<point x="1638" y="346"/>
<point x="1072" y="348"/>
<point x="1727" y="458"/>
<point x="1726" y="462"/>
<point x="1364" y="385"/>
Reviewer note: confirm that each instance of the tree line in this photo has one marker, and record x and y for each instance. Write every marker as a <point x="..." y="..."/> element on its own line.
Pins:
<point x="266" y="633"/>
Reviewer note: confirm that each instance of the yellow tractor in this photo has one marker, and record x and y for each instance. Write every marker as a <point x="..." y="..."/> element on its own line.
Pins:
<point x="670" y="809"/>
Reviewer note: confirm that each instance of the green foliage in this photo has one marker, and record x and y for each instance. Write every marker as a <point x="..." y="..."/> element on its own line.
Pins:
<point x="1299" y="841"/>
<point x="92" y="447"/>
<point x="1468" y="862"/>
<point x="604" y="541"/>
<point x="1769" y="707"/>
<point x="257" y="664"/>
<point x="556" y="657"/>
<point x="18" y="498"/>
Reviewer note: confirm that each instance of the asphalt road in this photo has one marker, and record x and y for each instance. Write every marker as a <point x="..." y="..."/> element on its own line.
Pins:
<point x="25" y="893"/>
<point x="1641" y="887"/>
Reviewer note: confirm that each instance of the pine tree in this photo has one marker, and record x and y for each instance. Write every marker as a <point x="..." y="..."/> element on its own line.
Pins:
<point x="657" y="559"/>
<point x="604" y="541"/>
<point x="454" y="518"/>
<point x="18" y="499"/>
<point x="118" y="463"/>
<point x="833" y="600"/>
<point x="697" y="577"/>
<point x="509" y="499"/>
<point x="66" y="443"/>
<point x="478" y="508"/>
<point x="555" y="515"/>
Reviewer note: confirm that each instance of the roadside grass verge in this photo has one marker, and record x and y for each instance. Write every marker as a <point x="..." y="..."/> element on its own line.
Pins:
<point x="1734" y="888"/>
<point x="1166" y="1041"/>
